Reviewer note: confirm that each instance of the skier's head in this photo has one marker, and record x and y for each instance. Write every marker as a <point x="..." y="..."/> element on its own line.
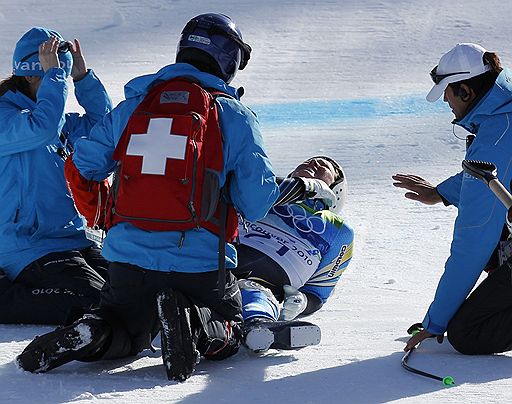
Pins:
<point x="464" y="74"/>
<point x="212" y="43"/>
<point x="328" y="170"/>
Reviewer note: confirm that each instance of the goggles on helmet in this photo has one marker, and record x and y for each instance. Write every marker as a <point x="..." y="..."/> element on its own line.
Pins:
<point x="214" y="29"/>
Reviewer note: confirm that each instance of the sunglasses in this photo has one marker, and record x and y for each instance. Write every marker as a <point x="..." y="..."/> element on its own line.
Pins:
<point x="436" y="78"/>
<point x="63" y="48"/>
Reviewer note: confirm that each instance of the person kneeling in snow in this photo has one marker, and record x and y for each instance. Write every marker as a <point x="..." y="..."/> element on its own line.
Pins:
<point x="479" y="92"/>
<point x="49" y="271"/>
<point x="295" y="255"/>
<point x="183" y="147"/>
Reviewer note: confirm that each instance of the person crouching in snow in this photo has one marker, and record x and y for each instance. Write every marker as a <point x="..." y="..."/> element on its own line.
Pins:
<point x="479" y="92"/>
<point x="49" y="271"/>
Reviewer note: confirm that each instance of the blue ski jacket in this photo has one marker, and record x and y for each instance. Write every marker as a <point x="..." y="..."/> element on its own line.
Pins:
<point x="37" y="214"/>
<point x="481" y="216"/>
<point x="312" y="245"/>
<point x="253" y="188"/>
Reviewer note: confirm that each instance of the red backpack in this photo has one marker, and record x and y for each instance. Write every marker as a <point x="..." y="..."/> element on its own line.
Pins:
<point x="169" y="157"/>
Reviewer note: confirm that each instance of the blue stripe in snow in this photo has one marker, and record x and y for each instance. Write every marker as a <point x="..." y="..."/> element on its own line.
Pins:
<point x="318" y="112"/>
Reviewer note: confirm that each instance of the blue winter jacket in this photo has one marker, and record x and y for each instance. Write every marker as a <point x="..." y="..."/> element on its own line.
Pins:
<point x="253" y="188"/>
<point x="37" y="214"/>
<point x="481" y="216"/>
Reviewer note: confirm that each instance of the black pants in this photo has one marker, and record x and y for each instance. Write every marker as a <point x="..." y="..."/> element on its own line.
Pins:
<point x="55" y="289"/>
<point x="253" y="264"/>
<point x="128" y="305"/>
<point x="483" y="324"/>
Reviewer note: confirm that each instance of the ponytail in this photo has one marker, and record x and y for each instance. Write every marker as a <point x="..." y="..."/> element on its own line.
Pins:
<point x="14" y="84"/>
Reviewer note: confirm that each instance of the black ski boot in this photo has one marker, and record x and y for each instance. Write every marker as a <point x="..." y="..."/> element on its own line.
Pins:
<point x="218" y="349"/>
<point x="261" y="334"/>
<point x="82" y="339"/>
<point x="179" y="352"/>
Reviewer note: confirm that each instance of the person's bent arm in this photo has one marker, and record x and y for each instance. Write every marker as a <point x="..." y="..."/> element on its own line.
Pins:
<point x="24" y="129"/>
<point x="253" y="188"/>
<point x="296" y="189"/>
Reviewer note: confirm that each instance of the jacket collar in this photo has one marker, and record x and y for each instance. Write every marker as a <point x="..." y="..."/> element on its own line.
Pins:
<point x="141" y="85"/>
<point x="498" y="100"/>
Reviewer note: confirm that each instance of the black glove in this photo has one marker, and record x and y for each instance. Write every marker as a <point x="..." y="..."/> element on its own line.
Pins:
<point x="415" y="328"/>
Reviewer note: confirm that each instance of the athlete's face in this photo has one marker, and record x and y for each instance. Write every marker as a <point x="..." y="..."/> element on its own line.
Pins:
<point x="318" y="168"/>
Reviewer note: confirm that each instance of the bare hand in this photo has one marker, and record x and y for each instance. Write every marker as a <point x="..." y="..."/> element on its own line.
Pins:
<point x="422" y="190"/>
<point x="48" y="54"/>
<point x="79" y="69"/>
<point x="417" y="338"/>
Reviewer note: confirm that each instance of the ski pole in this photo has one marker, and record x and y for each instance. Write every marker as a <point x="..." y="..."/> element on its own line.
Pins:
<point x="447" y="380"/>
<point x="487" y="172"/>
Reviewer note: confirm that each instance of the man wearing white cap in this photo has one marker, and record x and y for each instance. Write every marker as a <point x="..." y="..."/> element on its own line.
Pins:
<point x="479" y="92"/>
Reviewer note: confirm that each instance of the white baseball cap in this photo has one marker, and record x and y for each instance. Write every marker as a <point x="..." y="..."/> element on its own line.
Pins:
<point x="462" y="62"/>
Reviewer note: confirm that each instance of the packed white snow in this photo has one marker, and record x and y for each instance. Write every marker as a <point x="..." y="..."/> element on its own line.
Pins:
<point x="343" y="78"/>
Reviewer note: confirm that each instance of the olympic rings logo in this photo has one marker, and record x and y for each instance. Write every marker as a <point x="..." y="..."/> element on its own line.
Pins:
<point x="301" y="219"/>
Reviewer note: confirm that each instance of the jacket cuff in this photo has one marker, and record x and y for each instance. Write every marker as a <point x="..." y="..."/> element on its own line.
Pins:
<point x="432" y="327"/>
<point x="55" y="72"/>
<point x="89" y="77"/>
<point x="445" y="201"/>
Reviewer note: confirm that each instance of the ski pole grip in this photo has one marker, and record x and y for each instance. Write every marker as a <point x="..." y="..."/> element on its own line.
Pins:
<point x="501" y="192"/>
<point x="483" y="170"/>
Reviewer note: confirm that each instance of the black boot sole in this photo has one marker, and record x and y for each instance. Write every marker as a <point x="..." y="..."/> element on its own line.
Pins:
<point x="285" y="335"/>
<point x="63" y="345"/>
<point x="179" y="353"/>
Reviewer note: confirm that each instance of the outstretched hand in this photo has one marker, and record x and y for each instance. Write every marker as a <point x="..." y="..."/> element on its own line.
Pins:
<point x="422" y="190"/>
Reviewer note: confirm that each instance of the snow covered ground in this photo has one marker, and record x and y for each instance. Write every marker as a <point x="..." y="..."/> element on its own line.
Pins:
<point x="344" y="78"/>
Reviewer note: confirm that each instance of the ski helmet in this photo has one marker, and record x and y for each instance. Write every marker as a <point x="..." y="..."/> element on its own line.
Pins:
<point x="214" y="39"/>
<point x="339" y="186"/>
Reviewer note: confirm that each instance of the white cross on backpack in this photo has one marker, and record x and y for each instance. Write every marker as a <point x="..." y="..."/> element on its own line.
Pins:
<point x="157" y="145"/>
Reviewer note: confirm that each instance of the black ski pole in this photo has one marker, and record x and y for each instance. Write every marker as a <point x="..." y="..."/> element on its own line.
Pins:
<point x="413" y="330"/>
<point x="447" y="380"/>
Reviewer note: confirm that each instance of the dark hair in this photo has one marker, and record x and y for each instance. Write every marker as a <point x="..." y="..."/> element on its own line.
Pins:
<point x="14" y="84"/>
<point x="199" y="59"/>
<point x="482" y="83"/>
